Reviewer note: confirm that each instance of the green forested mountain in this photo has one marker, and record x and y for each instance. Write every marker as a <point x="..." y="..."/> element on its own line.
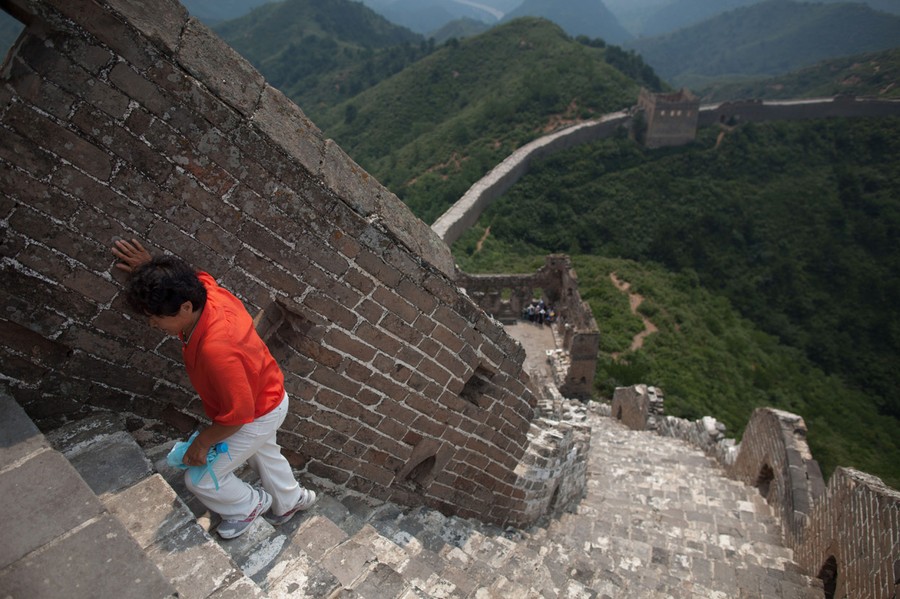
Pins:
<point x="768" y="38"/>
<point x="645" y="18"/>
<point x="433" y="129"/>
<point x="320" y="52"/>
<point x="425" y="16"/>
<point x="876" y="75"/>
<point x="889" y="6"/>
<point x="792" y="225"/>
<point x="215" y="11"/>
<point x="677" y="14"/>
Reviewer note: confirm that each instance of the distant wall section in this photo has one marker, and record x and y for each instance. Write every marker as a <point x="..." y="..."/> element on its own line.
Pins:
<point x="465" y="212"/>
<point x="671" y="119"/>
<point x="751" y="111"/>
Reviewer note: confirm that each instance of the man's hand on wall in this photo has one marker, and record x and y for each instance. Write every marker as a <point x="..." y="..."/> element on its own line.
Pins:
<point x="132" y="254"/>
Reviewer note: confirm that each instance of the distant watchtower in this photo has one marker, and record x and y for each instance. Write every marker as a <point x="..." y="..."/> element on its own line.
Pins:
<point x="671" y="118"/>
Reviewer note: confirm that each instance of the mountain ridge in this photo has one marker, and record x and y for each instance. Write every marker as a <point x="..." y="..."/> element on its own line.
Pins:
<point x="590" y="18"/>
<point x="743" y="42"/>
<point x="874" y="74"/>
<point x="321" y="53"/>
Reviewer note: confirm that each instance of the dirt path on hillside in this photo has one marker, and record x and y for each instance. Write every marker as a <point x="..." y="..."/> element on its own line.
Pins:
<point x="634" y="300"/>
<point x="481" y="241"/>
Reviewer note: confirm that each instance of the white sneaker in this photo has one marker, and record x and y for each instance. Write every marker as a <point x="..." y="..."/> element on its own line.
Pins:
<point x="307" y="499"/>
<point x="230" y="529"/>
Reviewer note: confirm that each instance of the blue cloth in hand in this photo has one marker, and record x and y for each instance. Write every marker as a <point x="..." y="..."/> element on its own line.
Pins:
<point x="176" y="459"/>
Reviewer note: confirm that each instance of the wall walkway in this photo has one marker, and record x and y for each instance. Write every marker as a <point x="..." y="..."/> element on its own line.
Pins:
<point x="657" y="519"/>
<point x="465" y="212"/>
<point x="846" y="533"/>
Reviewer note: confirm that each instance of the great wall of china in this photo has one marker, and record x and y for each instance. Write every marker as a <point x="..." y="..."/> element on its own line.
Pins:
<point x="465" y="212"/>
<point x="127" y="120"/>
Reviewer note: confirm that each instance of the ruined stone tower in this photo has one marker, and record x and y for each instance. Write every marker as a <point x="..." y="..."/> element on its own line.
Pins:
<point x="575" y="324"/>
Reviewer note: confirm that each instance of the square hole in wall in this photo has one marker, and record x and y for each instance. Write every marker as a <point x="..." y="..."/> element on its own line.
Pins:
<point x="478" y="387"/>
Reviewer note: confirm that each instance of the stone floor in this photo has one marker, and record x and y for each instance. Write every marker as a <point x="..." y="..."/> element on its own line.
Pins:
<point x="536" y="339"/>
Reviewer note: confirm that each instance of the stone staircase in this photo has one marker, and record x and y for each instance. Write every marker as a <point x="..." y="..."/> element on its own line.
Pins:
<point x="659" y="520"/>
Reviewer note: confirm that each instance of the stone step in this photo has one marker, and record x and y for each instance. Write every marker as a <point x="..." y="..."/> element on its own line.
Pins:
<point x="53" y="518"/>
<point x="122" y="476"/>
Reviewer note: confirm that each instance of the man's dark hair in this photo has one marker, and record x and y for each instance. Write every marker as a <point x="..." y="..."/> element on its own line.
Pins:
<point x="161" y="286"/>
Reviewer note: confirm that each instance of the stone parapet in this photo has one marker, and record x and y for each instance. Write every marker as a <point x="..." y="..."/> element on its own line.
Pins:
<point x="775" y="458"/>
<point x="706" y="433"/>
<point x="852" y="541"/>
<point x="749" y="111"/>
<point x="638" y="407"/>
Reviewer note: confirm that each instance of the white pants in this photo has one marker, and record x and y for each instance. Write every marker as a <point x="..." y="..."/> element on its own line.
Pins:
<point x="256" y="445"/>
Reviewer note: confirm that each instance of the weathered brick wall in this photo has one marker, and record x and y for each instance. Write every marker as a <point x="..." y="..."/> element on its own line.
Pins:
<point x="855" y="520"/>
<point x="775" y="457"/>
<point x="127" y="118"/>
<point x="850" y="529"/>
<point x="557" y="283"/>
<point x="857" y="524"/>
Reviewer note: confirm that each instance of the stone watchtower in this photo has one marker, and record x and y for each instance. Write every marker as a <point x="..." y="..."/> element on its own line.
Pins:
<point x="671" y="119"/>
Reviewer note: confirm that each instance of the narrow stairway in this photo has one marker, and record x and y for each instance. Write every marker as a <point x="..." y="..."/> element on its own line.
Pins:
<point x="659" y="520"/>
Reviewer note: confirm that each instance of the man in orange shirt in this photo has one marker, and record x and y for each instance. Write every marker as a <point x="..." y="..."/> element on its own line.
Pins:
<point x="238" y="381"/>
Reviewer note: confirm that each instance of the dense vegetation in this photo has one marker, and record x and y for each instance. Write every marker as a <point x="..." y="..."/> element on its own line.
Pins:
<point x="432" y="130"/>
<point x="323" y="52"/>
<point x="874" y="74"/>
<point x="768" y="38"/>
<point x="794" y="226"/>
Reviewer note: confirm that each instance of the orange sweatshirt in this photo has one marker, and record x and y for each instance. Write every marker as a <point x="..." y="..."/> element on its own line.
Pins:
<point x="229" y="365"/>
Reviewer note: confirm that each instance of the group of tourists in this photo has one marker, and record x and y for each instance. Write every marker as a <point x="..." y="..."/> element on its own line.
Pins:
<point x="539" y="312"/>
